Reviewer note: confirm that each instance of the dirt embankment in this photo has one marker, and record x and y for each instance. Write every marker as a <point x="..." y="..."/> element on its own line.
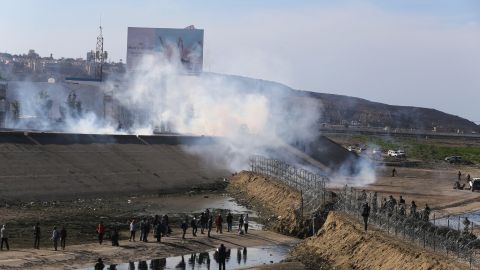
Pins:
<point x="343" y="243"/>
<point x="275" y="202"/>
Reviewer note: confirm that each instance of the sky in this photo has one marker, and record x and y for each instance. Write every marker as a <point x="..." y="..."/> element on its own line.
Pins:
<point x="422" y="53"/>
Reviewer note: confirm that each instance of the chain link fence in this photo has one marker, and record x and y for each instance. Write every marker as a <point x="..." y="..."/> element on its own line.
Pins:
<point x="450" y="235"/>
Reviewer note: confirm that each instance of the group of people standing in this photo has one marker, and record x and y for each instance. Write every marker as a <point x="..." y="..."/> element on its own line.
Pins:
<point x="161" y="226"/>
<point x="390" y="207"/>
<point x="206" y="220"/>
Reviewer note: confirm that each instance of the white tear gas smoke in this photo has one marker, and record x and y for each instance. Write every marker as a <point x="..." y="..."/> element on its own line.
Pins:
<point x="251" y="118"/>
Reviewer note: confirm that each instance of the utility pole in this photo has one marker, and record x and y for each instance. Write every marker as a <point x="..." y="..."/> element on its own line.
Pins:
<point x="100" y="56"/>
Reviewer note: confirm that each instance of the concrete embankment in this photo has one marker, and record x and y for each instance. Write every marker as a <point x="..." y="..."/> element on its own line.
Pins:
<point x="341" y="243"/>
<point x="47" y="166"/>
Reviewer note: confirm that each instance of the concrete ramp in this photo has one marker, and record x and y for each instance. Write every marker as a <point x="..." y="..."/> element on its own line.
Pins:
<point x="67" y="166"/>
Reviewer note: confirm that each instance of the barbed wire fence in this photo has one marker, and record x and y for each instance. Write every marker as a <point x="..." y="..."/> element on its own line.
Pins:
<point x="437" y="231"/>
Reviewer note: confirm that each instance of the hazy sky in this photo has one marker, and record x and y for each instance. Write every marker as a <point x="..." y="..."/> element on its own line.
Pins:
<point x="421" y="53"/>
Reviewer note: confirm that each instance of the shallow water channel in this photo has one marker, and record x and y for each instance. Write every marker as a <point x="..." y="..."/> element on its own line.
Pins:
<point x="236" y="258"/>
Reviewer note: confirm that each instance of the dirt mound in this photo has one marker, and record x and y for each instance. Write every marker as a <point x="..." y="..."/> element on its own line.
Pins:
<point x="272" y="197"/>
<point x="345" y="245"/>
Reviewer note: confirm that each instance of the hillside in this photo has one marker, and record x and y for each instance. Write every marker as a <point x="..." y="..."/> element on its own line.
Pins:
<point x="345" y="110"/>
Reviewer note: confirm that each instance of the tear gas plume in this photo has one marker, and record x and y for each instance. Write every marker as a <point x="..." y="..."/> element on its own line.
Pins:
<point x="251" y="118"/>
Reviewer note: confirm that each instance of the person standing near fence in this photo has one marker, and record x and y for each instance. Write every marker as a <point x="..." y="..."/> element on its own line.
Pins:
<point x="426" y="213"/>
<point x="36" y="234"/>
<point x="413" y="210"/>
<point x="374" y="202"/>
<point x="365" y="214"/>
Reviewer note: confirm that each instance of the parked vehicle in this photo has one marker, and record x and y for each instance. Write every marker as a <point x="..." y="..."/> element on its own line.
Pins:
<point x="392" y="153"/>
<point x="397" y="154"/>
<point x="475" y="184"/>
<point x="454" y="159"/>
<point x="400" y="154"/>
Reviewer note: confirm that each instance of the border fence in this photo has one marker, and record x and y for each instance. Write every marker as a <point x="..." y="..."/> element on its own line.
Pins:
<point x="449" y="235"/>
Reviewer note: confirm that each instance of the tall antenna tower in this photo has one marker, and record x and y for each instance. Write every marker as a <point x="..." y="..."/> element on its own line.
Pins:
<point x="100" y="55"/>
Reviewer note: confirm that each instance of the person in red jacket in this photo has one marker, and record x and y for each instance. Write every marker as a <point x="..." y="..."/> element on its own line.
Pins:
<point x="100" y="232"/>
<point x="218" y="223"/>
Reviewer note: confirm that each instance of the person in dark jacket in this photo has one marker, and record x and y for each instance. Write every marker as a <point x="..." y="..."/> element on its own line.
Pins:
<point x="99" y="265"/>
<point x="203" y="222"/>
<point x="193" y="224"/>
<point x="365" y="214"/>
<point x="209" y="224"/>
<point x="240" y="224"/>
<point x="229" y="222"/>
<point x="36" y="235"/>
<point x="63" y="237"/>
<point x="115" y="237"/>
<point x="219" y="223"/>
<point x="158" y="230"/>
<point x="184" y="227"/>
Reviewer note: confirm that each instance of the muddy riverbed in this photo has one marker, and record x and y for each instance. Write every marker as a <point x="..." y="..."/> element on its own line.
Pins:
<point x="81" y="216"/>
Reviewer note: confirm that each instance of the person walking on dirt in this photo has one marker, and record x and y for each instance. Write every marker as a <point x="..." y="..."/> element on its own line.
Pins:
<point x="36" y="235"/>
<point x="459" y="176"/>
<point x="209" y="224"/>
<point x="55" y="237"/>
<point x="394" y="172"/>
<point x="219" y="223"/>
<point x="133" y="230"/>
<point x="115" y="237"/>
<point x="229" y="221"/>
<point x="365" y="214"/>
<point x="142" y="229"/>
<point x="193" y="224"/>
<point x="101" y="232"/>
<point x="4" y="236"/>
<point x="63" y="237"/>
<point x="147" y="230"/>
<point x="222" y="256"/>
<point x="158" y="230"/>
<point x="184" y="227"/>
<point x="166" y="225"/>
<point x="240" y="224"/>
<point x="203" y="222"/>
<point x="245" y="223"/>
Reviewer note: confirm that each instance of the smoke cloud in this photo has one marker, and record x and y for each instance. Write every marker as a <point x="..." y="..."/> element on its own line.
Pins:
<point x="159" y="96"/>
